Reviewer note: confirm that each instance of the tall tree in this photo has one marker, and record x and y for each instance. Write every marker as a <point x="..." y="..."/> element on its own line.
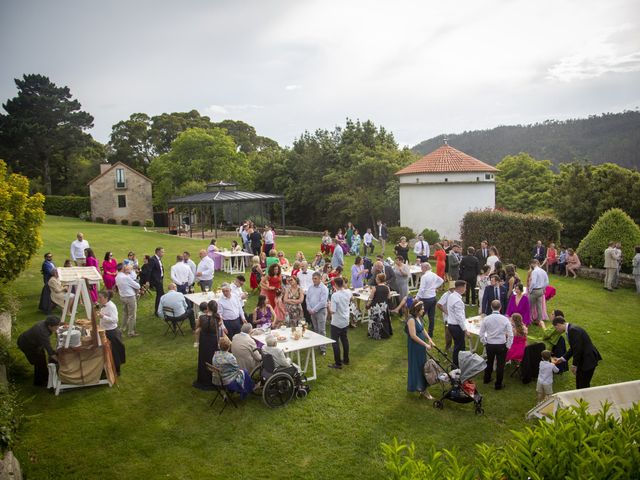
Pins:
<point x="130" y="142"/>
<point x="524" y="184"/>
<point x="43" y="124"/>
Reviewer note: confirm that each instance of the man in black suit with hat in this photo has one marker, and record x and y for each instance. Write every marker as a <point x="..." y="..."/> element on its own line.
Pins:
<point x="585" y="354"/>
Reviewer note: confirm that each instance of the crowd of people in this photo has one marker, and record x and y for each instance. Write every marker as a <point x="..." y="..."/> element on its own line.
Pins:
<point x="317" y="291"/>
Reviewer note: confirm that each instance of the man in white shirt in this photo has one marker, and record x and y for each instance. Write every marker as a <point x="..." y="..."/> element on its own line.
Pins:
<point x="181" y="275"/>
<point x="176" y="302"/>
<point x="457" y="318"/>
<point x="496" y="333"/>
<point x="230" y="310"/>
<point x="268" y="240"/>
<point x="538" y="282"/>
<point x="128" y="289"/>
<point x="317" y="296"/>
<point x="421" y="249"/>
<point x="429" y="283"/>
<point x="339" y="308"/>
<point x="78" y="246"/>
<point x="187" y="259"/>
<point x="442" y="306"/>
<point x="306" y="281"/>
<point x="381" y="230"/>
<point x="367" y="242"/>
<point x="204" y="271"/>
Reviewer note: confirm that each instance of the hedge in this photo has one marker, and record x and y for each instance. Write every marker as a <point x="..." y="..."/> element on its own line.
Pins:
<point x="394" y="234"/>
<point x="613" y="225"/>
<point x="431" y="236"/>
<point x="513" y="234"/>
<point x="69" y="206"/>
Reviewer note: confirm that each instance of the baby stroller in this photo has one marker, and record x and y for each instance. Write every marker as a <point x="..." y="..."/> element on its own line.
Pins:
<point x="457" y="385"/>
<point x="279" y="384"/>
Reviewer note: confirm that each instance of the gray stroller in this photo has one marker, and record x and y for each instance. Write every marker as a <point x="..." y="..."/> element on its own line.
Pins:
<point x="457" y="384"/>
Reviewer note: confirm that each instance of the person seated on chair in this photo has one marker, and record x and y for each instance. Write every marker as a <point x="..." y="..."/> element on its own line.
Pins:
<point x="280" y="360"/>
<point x="244" y="348"/>
<point x="233" y="377"/>
<point x="58" y="291"/>
<point x="176" y="301"/>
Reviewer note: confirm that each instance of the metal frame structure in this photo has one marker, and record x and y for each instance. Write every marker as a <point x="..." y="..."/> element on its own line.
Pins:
<point x="218" y="195"/>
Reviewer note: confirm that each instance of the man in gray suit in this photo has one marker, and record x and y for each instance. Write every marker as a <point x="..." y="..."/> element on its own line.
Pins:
<point x="610" y="266"/>
<point x="244" y="348"/>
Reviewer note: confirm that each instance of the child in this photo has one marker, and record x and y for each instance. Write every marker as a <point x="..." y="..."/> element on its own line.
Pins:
<point x="545" y="376"/>
<point x="483" y="281"/>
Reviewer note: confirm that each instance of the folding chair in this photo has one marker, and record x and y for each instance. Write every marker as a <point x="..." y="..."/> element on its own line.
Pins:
<point x="221" y="390"/>
<point x="174" y="324"/>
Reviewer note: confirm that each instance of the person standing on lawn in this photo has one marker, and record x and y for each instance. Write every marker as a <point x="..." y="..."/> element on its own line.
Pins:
<point x="496" y="334"/>
<point x="78" y="246"/>
<point x="340" y="301"/>
<point x="317" y="296"/>
<point x="457" y="319"/>
<point x="156" y="275"/>
<point x="585" y="354"/>
<point x="34" y="342"/>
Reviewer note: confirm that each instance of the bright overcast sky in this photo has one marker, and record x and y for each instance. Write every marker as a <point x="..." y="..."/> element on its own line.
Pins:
<point x="418" y="68"/>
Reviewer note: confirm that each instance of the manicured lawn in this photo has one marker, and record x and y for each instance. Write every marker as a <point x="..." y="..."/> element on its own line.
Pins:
<point x="155" y="424"/>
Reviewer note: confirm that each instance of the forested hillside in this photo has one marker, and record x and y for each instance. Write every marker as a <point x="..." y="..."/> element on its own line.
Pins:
<point x="611" y="137"/>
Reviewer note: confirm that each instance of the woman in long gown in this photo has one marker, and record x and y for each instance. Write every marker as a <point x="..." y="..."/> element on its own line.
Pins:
<point x="402" y="249"/>
<point x="342" y="241"/>
<point x="356" y="241"/>
<point x="401" y="269"/>
<point x="418" y="342"/>
<point x="516" y="352"/>
<point x="271" y="284"/>
<point x="92" y="261"/>
<point x="293" y="298"/>
<point x="441" y="260"/>
<point x="519" y="303"/>
<point x="378" y="305"/>
<point x="349" y="235"/>
<point x="109" y="271"/>
<point x="208" y="328"/>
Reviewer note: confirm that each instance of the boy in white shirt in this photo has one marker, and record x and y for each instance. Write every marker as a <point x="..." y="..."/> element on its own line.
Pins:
<point x="544" y="387"/>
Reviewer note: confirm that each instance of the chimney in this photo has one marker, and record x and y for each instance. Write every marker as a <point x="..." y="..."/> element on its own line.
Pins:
<point x="104" y="167"/>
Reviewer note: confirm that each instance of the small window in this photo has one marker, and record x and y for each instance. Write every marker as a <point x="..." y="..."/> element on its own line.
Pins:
<point x="122" y="201"/>
<point x="446" y="179"/>
<point x="488" y="176"/>
<point x="477" y="179"/>
<point x="120" y="179"/>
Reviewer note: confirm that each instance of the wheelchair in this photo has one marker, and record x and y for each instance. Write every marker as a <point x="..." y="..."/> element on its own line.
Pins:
<point x="279" y="385"/>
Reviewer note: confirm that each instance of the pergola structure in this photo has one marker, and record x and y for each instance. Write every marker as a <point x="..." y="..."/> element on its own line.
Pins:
<point x="222" y="200"/>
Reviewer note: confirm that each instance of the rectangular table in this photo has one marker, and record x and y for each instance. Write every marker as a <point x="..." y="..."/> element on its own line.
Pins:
<point x="414" y="273"/>
<point x="296" y="346"/>
<point x="473" y="327"/>
<point x="227" y="261"/>
<point x="361" y="299"/>
<point x="198" y="298"/>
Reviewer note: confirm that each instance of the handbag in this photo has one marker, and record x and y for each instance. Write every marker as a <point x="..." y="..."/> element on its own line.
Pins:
<point x="432" y="371"/>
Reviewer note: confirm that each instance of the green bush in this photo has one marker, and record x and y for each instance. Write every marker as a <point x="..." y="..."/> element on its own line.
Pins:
<point x="11" y="416"/>
<point x="148" y="223"/>
<point x="431" y="236"/>
<point x="513" y="234"/>
<point x="69" y="206"/>
<point x="124" y="221"/>
<point x="135" y="223"/>
<point x="99" y="220"/>
<point x="574" y="444"/>
<point x="613" y="225"/>
<point x="396" y="232"/>
<point x="111" y="221"/>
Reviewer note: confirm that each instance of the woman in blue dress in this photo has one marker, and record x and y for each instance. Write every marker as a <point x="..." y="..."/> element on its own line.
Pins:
<point x="418" y="342"/>
<point x="356" y="240"/>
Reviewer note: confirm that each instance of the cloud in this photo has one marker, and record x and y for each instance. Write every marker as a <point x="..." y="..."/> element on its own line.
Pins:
<point x="217" y="110"/>
<point x="290" y="88"/>
<point x="583" y="66"/>
<point x="228" y="109"/>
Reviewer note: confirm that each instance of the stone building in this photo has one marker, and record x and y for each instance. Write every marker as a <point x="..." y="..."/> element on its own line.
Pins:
<point x="440" y="188"/>
<point x="121" y="193"/>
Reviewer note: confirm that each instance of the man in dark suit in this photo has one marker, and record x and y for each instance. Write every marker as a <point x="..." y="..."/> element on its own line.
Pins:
<point x="156" y="275"/>
<point x="539" y="252"/>
<point x="492" y="292"/>
<point x="585" y="354"/>
<point x="34" y="343"/>
<point x="483" y="253"/>
<point x="469" y="270"/>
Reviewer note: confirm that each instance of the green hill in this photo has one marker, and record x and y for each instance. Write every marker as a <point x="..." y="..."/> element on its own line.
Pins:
<point x="610" y="137"/>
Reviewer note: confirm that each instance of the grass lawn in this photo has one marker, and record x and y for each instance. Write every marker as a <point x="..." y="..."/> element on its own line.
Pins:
<point x="155" y="424"/>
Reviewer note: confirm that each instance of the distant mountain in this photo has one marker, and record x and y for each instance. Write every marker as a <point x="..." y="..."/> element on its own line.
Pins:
<point x="611" y="137"/>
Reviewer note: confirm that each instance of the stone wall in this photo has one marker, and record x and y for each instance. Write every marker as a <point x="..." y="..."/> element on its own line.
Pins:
<point x="104" y="197"/>
<point x="626" y="280"/>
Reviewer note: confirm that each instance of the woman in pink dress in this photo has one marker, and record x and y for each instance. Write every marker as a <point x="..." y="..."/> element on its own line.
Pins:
<point x="342" y="241"/>
<point x="92" y="261"/>
<point x="573" y="263"/>
<point x="516" y="352"/>
<point x="519" y="304"/>
<point x="109" y="271"/>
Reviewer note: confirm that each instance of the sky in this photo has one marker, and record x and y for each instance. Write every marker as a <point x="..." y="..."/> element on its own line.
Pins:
<point x="418" y="68"/>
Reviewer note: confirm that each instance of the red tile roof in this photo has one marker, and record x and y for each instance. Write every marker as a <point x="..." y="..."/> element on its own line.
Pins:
<point x="446" y="159"/>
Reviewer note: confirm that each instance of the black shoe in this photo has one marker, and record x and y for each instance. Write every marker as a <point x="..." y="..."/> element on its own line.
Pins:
<point x="335" y="365"/>
<point x="500" y="387"/>
<point x="486" y="381"/>
<point x="345" y="363"/>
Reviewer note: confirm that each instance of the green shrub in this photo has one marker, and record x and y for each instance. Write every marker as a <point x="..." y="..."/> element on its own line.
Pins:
<point x="135" y="223"/>
<point x="66" y="206"/>
<point x="396" y="232"/>
<point x="148" y="223"/>
<point x="11" y="416"/>
<point x="431" y="236"/>
<point x="99" y="220"/>
<point x="574" y="444"/>
<point x="111" y="221"/>
<point x="613" y="225"/>
<point x="124" y="221"/>
<point x="513" y="234"/>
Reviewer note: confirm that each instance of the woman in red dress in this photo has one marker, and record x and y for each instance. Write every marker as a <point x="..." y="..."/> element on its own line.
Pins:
<point x="441" y="259"/>
<point x="271" y="283"/>
<point x="109" y="271"/>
